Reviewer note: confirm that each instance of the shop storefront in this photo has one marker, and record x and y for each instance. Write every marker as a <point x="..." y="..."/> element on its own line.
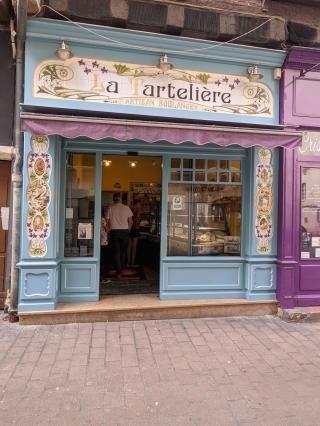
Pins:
<point x="299" y="212"/>
<point x="209" y="192"/>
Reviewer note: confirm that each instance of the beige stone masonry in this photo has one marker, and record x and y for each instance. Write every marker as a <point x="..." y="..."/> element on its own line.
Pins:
<point x="119" y="9"/>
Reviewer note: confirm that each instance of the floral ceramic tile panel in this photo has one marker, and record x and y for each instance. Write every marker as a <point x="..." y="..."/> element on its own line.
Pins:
<point x="38" y="195"/>
<point x="264" y="201"/>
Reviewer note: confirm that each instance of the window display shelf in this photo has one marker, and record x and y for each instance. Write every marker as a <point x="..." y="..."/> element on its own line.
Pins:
<point x="206" y="219"/>
<point x="214" y="228"/>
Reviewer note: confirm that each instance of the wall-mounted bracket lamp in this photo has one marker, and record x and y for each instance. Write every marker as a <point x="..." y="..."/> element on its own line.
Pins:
<point x="253" y="73"/>
<point x="63" y="52"/>
<point x="164" y="63"/>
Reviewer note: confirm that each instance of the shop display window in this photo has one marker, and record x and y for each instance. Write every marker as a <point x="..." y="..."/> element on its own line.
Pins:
<point x="79" y="205"/>
<point x="205" y="170"/>
<point x="204" y="219"/>
<point x="310" y="213"/>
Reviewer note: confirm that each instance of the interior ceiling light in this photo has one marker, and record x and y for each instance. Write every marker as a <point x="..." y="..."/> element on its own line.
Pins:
<point x="107" y="163"/>
<point x="164" y="64"/>
<point x="133" y="163"/>
<point x="63" y="52"/>
<point x="253" y="73"/>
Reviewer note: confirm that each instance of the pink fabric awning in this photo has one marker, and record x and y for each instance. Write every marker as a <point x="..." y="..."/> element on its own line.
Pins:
<point x="175" y="133"/>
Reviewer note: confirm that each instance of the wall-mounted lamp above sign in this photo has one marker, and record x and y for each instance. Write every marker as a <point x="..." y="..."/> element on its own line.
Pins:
<point x="164" y="63"/>
<point x="277" y="73"/>
<point x="253" y="73"/>
<point x="63" y="52"/>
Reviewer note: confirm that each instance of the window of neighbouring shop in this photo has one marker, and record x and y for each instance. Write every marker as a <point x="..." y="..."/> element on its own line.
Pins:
<point x="79" y="205"/>
<point x="310" y="212"/>
<point x="204" y="207"/>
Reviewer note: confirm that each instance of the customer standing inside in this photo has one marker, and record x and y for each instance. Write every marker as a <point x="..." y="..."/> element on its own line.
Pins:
<point x="119" y="221"/>
<point x="134" y="233"/>
<point x="103" y="243"/>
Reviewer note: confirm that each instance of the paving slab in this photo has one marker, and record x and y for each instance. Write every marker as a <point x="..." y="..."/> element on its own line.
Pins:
<point x="208" y="371"/>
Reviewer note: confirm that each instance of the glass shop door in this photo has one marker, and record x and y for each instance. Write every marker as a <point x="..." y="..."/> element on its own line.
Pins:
<point x="130" y="258"/>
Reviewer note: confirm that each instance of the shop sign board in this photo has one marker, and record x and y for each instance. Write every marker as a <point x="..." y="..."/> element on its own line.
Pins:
<point x="310" y="144"/>
<point x="107" y="82"/>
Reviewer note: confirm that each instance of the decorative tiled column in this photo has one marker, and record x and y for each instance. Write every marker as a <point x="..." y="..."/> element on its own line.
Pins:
<point x="39" y="237"/>
<point x="264" y="201"/>
<point x="260" y="229"/>
<point x="38" y="195"/>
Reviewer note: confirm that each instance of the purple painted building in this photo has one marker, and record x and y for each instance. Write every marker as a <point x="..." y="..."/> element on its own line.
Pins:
<point x="298" y="281"/>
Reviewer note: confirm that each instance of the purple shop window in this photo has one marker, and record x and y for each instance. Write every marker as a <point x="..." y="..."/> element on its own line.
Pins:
<point x="310" y="213"/>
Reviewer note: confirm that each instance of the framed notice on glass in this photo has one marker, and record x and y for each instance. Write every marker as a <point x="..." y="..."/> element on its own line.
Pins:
<point x="85" y="231"/>
<point x="177" y="202"/>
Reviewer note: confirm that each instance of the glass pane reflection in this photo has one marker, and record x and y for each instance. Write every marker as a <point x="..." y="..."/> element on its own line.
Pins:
<point x="80" y="204"/>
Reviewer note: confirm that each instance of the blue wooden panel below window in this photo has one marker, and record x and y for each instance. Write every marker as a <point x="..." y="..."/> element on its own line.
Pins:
<point x="38" y="287"/>
<point x="78" y="278"/>
<point x="197" y="276"/>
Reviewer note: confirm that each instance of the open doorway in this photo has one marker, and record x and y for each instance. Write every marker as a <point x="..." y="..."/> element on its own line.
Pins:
<point x="130" y="265"/>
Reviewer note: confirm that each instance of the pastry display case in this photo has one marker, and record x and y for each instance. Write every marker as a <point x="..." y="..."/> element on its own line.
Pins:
<point x="204" y="220"/>
<point x="209" y="229"/>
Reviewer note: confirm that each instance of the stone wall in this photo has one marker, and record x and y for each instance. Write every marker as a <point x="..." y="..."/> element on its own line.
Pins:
<point x="7" y="71"/>
<point x="296" y="22"/>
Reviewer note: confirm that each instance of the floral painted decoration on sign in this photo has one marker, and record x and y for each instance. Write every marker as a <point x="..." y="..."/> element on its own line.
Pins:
<point x="100" y="81"/>
<point x="38" y="195"/>
<point x="264" y="201"/>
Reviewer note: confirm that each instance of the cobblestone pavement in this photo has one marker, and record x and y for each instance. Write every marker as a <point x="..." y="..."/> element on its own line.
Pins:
<point x="219" y="371"/>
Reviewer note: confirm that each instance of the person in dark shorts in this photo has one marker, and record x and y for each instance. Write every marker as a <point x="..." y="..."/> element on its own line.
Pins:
<point x="119" y="221"/>
<point x="134" y="233"/>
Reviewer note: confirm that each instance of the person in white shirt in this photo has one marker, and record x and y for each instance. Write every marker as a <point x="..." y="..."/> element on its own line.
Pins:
<point x="119" y="222"/>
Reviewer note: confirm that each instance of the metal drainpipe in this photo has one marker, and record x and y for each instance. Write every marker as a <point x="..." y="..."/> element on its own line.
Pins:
<point x="16" y="176"/>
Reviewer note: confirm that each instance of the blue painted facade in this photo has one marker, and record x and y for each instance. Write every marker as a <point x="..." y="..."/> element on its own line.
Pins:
<point x="53" y="278"/>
